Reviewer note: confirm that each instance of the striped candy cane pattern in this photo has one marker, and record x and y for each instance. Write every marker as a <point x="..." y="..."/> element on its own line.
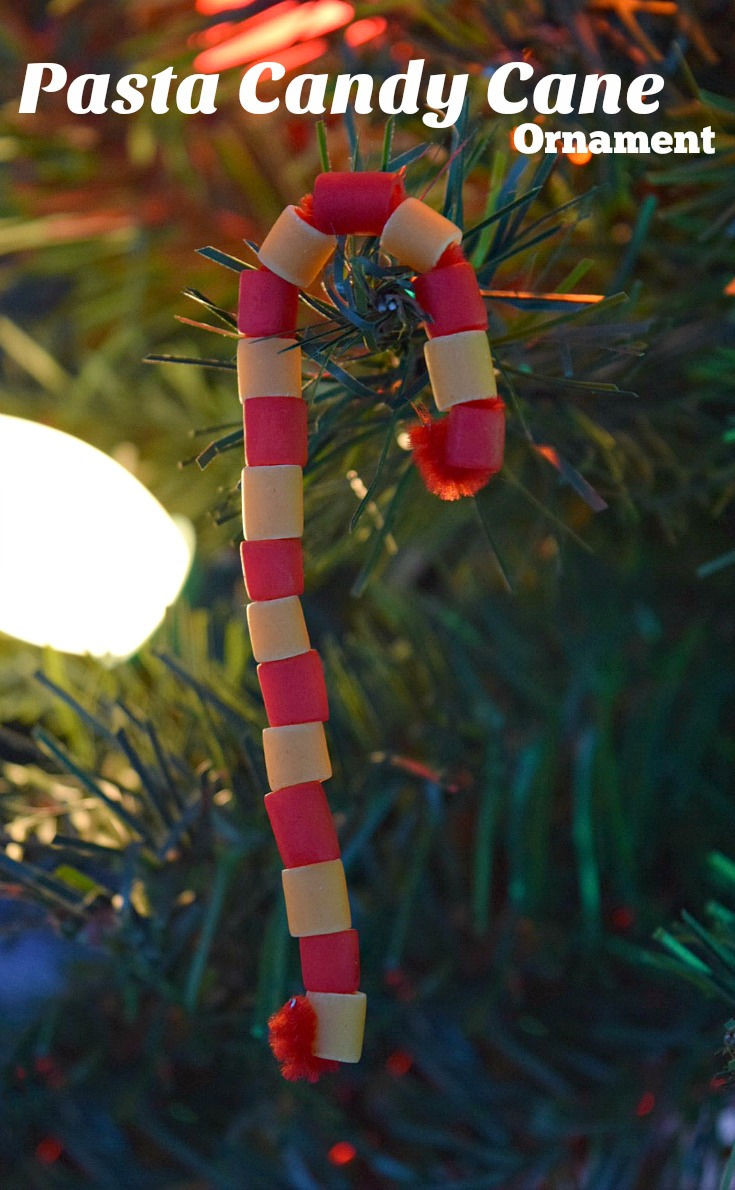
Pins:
<point x="456" y="454"/>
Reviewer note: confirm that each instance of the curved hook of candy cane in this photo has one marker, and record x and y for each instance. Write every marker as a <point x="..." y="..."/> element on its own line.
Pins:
<point x="456" y="455"/>
<point x="459" y="454"/>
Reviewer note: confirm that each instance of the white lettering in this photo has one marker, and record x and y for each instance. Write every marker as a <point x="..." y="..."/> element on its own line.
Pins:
<point x="313" y="105"/>
<point x="563" y="84"/>
<point x="363" y="102"/>
<point x="686" y="142"/>
<point x="248" y="96"/>
<point x="33" y="84"/>
<point x="612" y="85"/>
<point x="631" y="142"/>
<point x="451" y="106"/>
<point x="528" y="138"/>
<point x="645" y="84"/>
<point x="96" y="103"/>
<point x="411" y="80"/>
<point x="205" y="104"/>
<point x="573" y="142"/>
<point x="496" y="91"/>
<point x="599" y="142"/>
<point x="129" y="89"/>
<point x="161" y="87"/>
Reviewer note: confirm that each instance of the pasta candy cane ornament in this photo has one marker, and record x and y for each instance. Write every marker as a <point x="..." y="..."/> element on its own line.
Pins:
<point x="456" y="455"/>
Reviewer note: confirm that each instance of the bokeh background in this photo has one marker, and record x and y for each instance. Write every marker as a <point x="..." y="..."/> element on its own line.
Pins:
<point x="531" y="691"/>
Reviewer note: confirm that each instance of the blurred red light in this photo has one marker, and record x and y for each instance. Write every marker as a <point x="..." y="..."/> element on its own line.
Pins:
<point x="398" y="1063"/>
<point x="299" y="55"/>
<point x="49" y="1150"/>
<point x="402" y="51"/>
<point x="213" y="35"/>
<point x="646" y="1104"/>
<point x="366" y="30"/>
<point x="622" y="918"/>
<point x="210" y="7"/>
<point x="342" y="1153"/>
<point x="258" y="39"/>
<point x="548" y="452"/>
<point x="223" y="30"/>
<point x="582" y="158"/>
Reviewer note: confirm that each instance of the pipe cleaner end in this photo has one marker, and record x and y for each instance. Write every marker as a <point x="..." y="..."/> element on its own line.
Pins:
<point x="443" y="479"/>
<point x="291" y="1033"/>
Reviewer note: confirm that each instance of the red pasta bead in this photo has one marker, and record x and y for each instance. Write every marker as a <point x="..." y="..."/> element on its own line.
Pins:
<point x="355" y="203"/>
<point x="267" y="304"/>
<point x="272" y="569"/>
<point x="451" y="255"/>
<point x="476" y="434"/>
<point x="331" y="962"/>
<point x="452" y="297"/>
<point x="305" y="209"/>
<point x="294" y="690"/>
<point x="302" y="825"/>
<point x="275" y="431"/>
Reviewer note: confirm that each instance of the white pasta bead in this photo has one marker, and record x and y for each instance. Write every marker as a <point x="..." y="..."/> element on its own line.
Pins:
<point x="460" y="368"/>
<point x="268" y="368"/>
<point x="277" y="629"/>
<point x="417" y="235"/>
<point x="295" y="250"/>
<point x="316" y="899"/>
<point x="272" y="502"/>
<point x="296" y="754"/>
<point x="340" y="1024"/>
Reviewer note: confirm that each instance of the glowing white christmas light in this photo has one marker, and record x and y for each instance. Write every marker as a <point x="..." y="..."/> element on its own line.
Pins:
<point x="89" y="560"/>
